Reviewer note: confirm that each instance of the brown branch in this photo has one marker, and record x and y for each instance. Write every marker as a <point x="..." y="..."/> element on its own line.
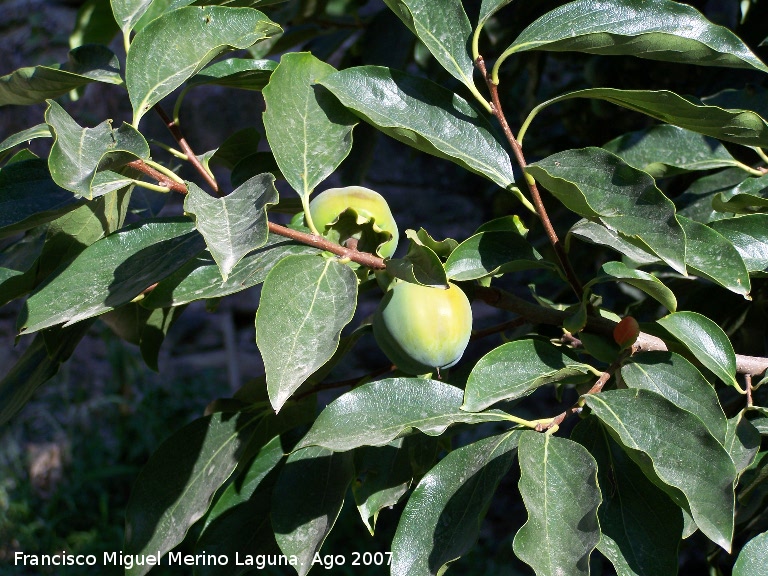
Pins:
<point x="498" y="112"/>
<point x="161" y="178"/>
<point x="175" y="131"/>
<point x="748" y="386"/>
<point x="754" y="365"/>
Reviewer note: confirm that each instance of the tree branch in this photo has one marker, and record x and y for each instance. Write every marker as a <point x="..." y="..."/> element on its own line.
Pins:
<point x="498" y="112"/>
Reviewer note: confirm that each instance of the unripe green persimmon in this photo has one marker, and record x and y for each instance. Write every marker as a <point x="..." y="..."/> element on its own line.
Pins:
<point x="356" y="212"/>
<point x="420" y="328"/>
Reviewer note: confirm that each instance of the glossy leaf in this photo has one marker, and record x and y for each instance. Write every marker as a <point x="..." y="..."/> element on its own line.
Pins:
<point x="235" y="148"/>
<point x="698" y="474"/>
<point x="129" y="261"/>
<point x="243" y="73"/>
<point x="444" y="29"/>
<point x="640" y="527"/>
<point x="305" y="303"/>
<point x="706" y="341"/>
<point x="659" y="30"/>
<point x="753" y="558"/>
<point x="424" y="115"/>
<point x="516" y="369"/>
<point x="665" y="150"/>
<point x="673" y="377"/>
<point x="176" y="486"/>
<point x="29" y="197"/>
<point x="233" y="225"/>
<point x="442" y="248"/>
<point x="307" y="500"/>
<point x="558" y="483"/>
<point x="742" y="441"/>
<point x="749" y="196"/>
<point x="419" y="266"/>
<point x="696" y="202"/>
<point x="378" y="412"/>
<point x="309" y="132"/>
<point x="710" y="255"/>
<point x="739" y="126"/>
<point x="202" y="33"/>
<point x="490" y="253"/>
<point x="596" y="184"/>
<point x="600" y="234"/>
<point x="442" y="519"/>
<point x="749" y="235"/>
<point x="200" y="278"/>
<point x="80" y="156"/>
<point x="128" y="12"/>
<point x="86" y="64"/>
<point x="488" y="8"/>
<point x="39" y="131"/>
<point x="619" y="272"/>
<point x="36" y="366"/>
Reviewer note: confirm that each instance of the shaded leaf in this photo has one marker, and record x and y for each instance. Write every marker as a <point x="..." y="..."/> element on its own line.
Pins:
<point x="307" y="500"/>
<point x="488" y="8"/>
<point x="706" y="341"/>
<point x="558" y="483"/>
<point x="86" y="64"/>
<point x="753" y="558"/>
<point x="233" y="225"/>
<point x="200" y="278"/>
<point x="378" y="412"/>
<point x="305" y="303"/>
<point x="95" y="24"/>
<point x="17" y="265"/>
<point x="424" y="115"/>
<point x="442" y="248"/>
<point x="201" y="33"/>
<point x="698" y="474"/>
<point x="696" y="202"/>
<point x="598" y="233"/>
<point x="751" y="97"/>
<point x="235" y="148"/>
<point x="82" y="159"/>
<point x="673" y="377"/>
<point x="659" y="30"/>
<point x="619" y="272"/>
<point x="665" y="150"/>
<point x="751" y="195"/>
<point x="39" y="131"/>
<point x="243" y="73"/>
<point x="492" y="252"/>
<point x="442" y="519"/>
<point x="309" y="132"/>
<point x="419" y="266"/>
<point x="130" y="260"/>
<point x="640" y="526"/>
<point x="742" y="441"/>
<point x="516" y="369"/>
<point x="153" y="334"/>
<point x="709" y="254"/>
<point x="749" y="235"/>
<point x="597" y="184"/>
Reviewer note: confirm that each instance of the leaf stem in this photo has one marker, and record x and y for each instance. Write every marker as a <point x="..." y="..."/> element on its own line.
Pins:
<point x="170" y="149"/>
<point x="570" y="274"/>
<point x="150" y="186"/>
<point x="308" y="214"/>
<point x="761" y="153"/>
<point x="754" y="171"/>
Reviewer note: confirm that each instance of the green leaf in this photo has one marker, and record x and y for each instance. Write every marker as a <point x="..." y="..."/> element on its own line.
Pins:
<point x="445" y="30"/>
<point x="488" y="8"/>
<point x="673" y="377"/>
<point x="751" y="97"/>
<point x="111" y="272"/>
<point x="749" y="196"/>
<point x="153" y="334"/>
<point x="665" y="150"/>
<point x="598" y="233"/>
<point x="749" y="235"/>
<point x="659" y="30"/>
<point x="419" y="266"/>
<point x="307" y="500"/>
<point x="753" y="558"/>
<point x="18" y="265"/>
<point x="376" y="413"/>
<point x="442" y="519"/>
<point x="233" y="225"/>
<point x="558" y="483"/>
<point x="243" y="73"/>
<point x="86" y="64"/>
<point x="305" y="303"/>
<point x="742" y="441"/>
<point x="200" y="278"/>
<point x="516" y="369"/>
<point x="698" y="474"/>
<point x="176" y="486"/>
<point x="424" y="115"/>
<point x="309" y="132"/>
<point x="29" y="197"/>
<point x="201" y="34"/>
<point x="619" y="272"/>
<point x="36" y="366"/>
<point x="128" y="12"/>
<point x="79" y="155"/>
<point x="739" y="126"/>
<point x="696" y="202"/>
<point x="442" y="248"/>
<point x="95" y="24"/>
<point x="491" y="253"/>
<point x="640" y="526"/>
<point x="706" y="341"/>
<point x="235" y="148"/>
<point x="596" y="184"/>
<point x="39" y="131"/>
<point x="710" y="255"/>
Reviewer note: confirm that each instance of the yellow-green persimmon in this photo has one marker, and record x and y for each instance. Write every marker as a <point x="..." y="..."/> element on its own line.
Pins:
<point x="421" y="328"/>
<point x="358" y="213"/>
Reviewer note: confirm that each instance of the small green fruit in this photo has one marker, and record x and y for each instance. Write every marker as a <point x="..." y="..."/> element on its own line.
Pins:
<point x="354" y="212"/>
<point x="420" y="328"/>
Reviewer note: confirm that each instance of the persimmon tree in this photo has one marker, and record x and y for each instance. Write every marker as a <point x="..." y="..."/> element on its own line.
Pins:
<point x="664" y="432"/>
